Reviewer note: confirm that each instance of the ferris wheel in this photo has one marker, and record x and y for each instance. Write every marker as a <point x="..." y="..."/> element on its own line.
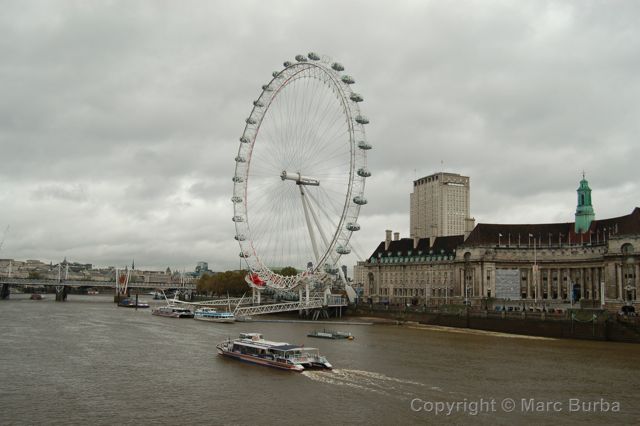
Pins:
<point x="300" y="173"/>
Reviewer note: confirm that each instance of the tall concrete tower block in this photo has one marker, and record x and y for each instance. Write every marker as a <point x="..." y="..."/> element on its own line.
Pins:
<point x="440" y="205"/>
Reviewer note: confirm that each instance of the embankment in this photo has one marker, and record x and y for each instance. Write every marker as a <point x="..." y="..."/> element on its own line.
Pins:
<point x="580" y="324"/>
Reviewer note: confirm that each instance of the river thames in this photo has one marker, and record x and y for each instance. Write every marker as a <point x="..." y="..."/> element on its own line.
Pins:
<point x="88" y="361"/>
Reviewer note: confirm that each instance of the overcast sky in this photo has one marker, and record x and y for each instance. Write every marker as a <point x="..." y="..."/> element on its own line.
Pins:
<point x="119" y="120"/>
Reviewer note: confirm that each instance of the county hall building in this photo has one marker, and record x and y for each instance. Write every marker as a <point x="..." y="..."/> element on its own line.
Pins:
<point x="588" y="262"/>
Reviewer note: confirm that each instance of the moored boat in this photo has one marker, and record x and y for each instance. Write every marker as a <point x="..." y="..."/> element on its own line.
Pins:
<point x="212" y="315"/>
<point x="128" y="303"/>
<point x="172" y="312"/>
<point x="327" y="334"/>
<point x="252" y="348"/>
<point x="36" y="296"/>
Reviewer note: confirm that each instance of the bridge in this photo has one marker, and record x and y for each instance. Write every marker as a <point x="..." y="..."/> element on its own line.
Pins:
<point x="120" y="286"/>
<point x="316" y="304"/>
<point x="103" y="284"/>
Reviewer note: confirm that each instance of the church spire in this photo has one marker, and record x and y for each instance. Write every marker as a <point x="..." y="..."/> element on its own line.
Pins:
<point x="584" y="211"/>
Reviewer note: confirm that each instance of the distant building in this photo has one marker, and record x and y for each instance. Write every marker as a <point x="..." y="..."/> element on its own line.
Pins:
<point x="201" y="269"/>
<point x="589" y="262"/>
<point x="440" y="206"/>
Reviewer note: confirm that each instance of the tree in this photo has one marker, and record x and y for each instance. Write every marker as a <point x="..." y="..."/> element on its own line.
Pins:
<point x="223" y="283"/>
<point x="288" y="271"/>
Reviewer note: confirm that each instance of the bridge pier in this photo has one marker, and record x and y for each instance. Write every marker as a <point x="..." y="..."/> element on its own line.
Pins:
<point x="185" y="295"/>
<point x="118" y="297"/>
<point x="256" y="296"/>
<point x="5" y="292"/>
<point x="61" y="293"/>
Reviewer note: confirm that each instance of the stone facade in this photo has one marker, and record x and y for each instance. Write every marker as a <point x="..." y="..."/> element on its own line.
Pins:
<point x="551" y="266"/>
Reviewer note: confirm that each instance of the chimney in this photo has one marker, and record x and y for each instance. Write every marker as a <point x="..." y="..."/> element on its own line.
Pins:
<point x="387" y="239"/>
<point x="469" y="224"/>
<point x="416" y="240"/>
<point x="396" y="236"/>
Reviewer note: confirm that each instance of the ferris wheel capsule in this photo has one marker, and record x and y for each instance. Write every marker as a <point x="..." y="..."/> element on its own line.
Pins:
<point x="347" y="79"/>
<point x="332" y="270"/>
<point x="337" y="66"/>
<point x="313" y="56"/>
<point x="364" y="172"/>
<point x="360" y="200"/>
<point x="301" y="58"/>
<point x="362" y="119"/>
<point x="343" y="250"/>
<point x="364" y="145"/>
<point x="352" y="226"/>
<point x="356" y="97"/>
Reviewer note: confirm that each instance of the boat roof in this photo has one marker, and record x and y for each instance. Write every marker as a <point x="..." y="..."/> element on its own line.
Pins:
<point x="266" y="344"/>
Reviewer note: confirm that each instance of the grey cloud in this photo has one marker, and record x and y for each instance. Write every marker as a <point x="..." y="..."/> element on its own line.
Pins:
<point x="132" y="111"/>
<point x="61" y="192"/>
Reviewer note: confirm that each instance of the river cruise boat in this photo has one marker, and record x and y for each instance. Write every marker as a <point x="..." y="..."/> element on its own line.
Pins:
<point x="252" y="348"/>
<point x="210" y="314"/>
<point x="172" y="312"/>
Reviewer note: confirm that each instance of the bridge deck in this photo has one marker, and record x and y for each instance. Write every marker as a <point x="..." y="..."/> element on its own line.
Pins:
<point x="74" y="283"/>
<point x="278" y="307"/>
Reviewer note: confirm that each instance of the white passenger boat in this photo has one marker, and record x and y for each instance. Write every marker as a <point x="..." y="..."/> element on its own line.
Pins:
<point x="172" y="312"/>
<point x="210" y="314"/>
<point x="251" y="347"/>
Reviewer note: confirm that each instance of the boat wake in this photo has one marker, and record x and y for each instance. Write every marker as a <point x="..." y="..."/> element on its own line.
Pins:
<point x="369" y="381"/>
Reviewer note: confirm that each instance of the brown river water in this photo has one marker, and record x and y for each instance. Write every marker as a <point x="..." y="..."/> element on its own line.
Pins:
<point x="86" y="361"/>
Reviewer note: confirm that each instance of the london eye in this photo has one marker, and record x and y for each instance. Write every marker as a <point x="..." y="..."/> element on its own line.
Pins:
<point x="300" y="173"/>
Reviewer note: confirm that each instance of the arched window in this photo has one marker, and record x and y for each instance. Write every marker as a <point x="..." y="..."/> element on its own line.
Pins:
<point x="627" y="248"/>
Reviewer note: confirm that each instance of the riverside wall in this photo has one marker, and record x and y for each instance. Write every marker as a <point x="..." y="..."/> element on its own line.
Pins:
<point x="579" y="324"/>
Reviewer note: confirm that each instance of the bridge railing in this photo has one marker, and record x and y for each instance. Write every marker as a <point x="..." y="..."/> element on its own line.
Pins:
<point x="278" y="307"/>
